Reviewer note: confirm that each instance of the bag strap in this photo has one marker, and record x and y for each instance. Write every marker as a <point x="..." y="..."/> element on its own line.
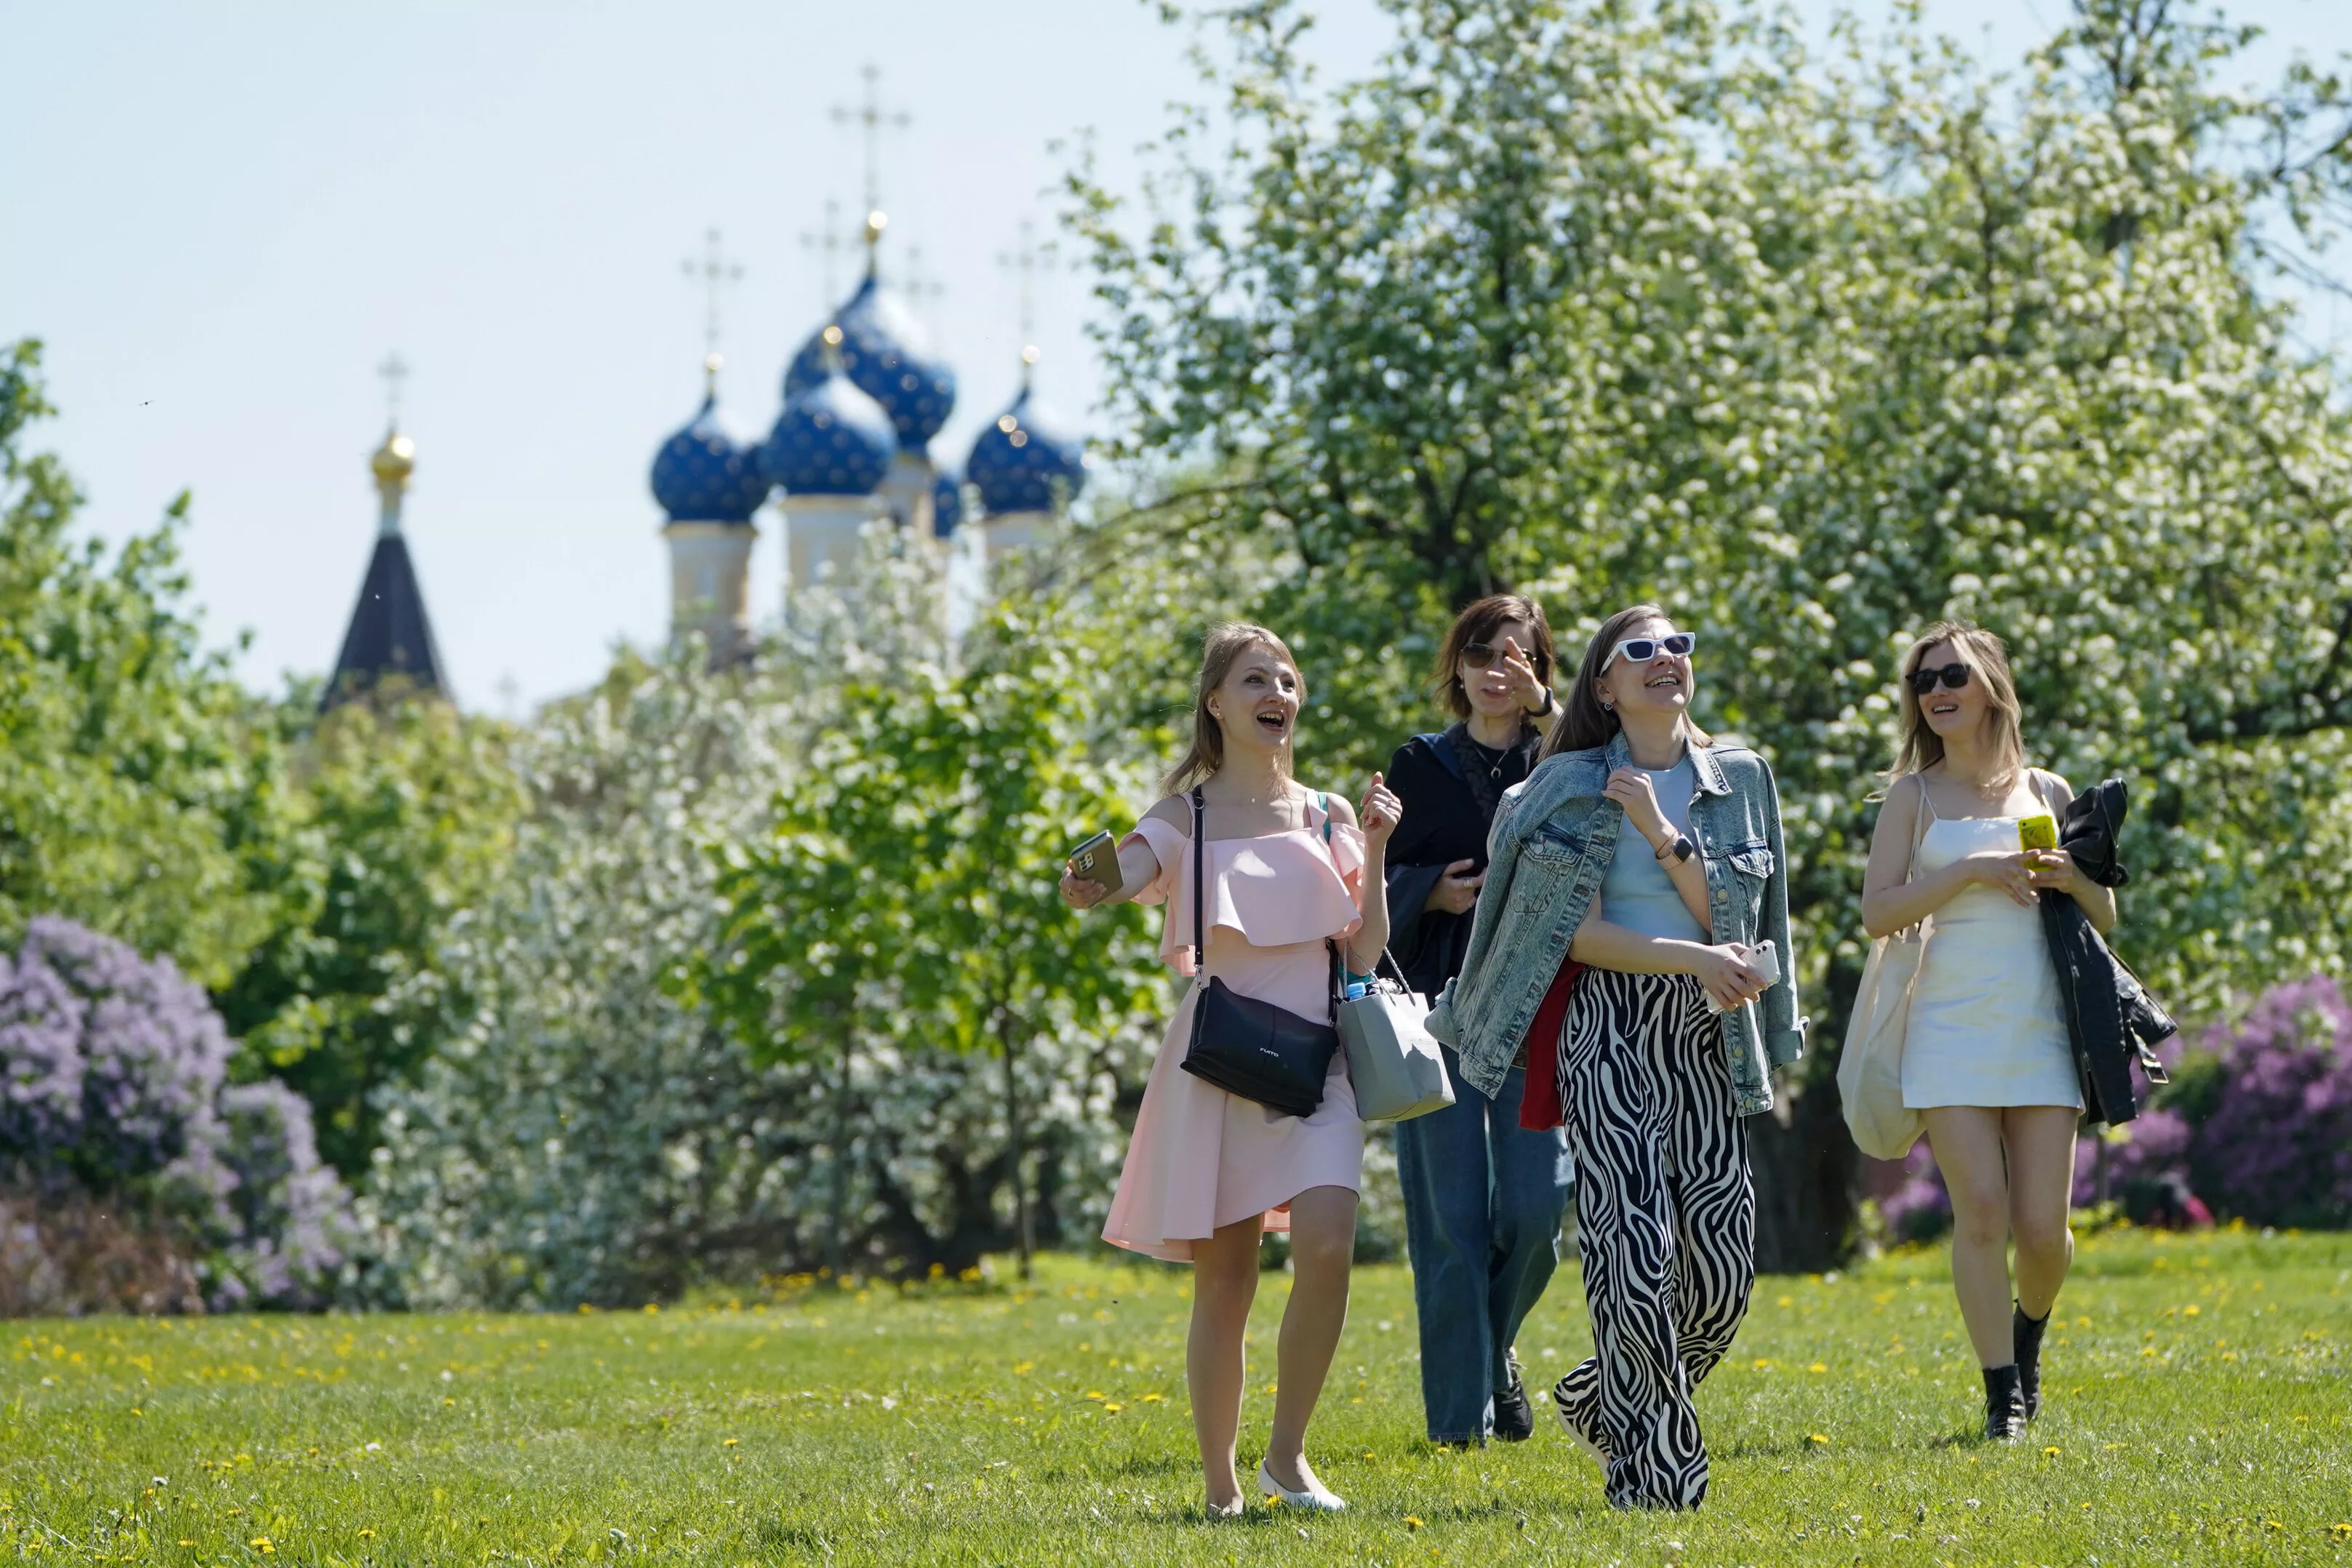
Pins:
<point x="1199" y="853"/>
<point x="1921" y="820"/>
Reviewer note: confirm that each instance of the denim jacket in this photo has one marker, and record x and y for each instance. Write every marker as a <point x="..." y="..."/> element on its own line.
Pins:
<point x="1549" y="848"/>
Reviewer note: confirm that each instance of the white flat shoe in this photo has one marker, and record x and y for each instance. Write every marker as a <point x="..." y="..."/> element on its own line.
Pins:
<point x="1233" y="1509"/>
<point x="1318" y="1499"/>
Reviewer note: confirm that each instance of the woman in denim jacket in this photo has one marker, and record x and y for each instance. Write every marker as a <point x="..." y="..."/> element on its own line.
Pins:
<point x="1649" y="857"/>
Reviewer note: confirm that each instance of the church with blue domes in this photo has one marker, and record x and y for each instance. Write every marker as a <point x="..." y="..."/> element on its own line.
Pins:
<point x="863" y="402"/>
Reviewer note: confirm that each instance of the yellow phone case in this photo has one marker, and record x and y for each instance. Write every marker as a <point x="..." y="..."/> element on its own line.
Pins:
<point x="2039" y="832"/>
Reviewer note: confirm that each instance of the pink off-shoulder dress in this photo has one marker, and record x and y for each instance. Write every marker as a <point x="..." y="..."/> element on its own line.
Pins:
<point x="1202" y="1158"/>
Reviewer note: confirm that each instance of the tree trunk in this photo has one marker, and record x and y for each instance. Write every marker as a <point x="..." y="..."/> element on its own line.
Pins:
<point x="1807" y="1170"/>
<point x="837" y="1213"/>
<point x="1005" y="1029"/>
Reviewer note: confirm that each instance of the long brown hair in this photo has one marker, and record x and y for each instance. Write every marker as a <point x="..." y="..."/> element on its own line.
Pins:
<point x="1224" y="644"/>
<point x="1584" y="723"/>
<point x="1917" y="747"/>
<point x="1478" y="624"/>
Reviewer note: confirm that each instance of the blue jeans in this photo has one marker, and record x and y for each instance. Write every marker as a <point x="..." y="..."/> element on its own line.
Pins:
<point x="1483" y="1201"/>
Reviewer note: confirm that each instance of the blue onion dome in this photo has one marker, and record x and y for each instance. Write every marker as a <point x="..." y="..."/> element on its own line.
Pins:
<point x="1018" y="461"/>
<point x="704" y="474"/>
<point x="947" y="500"/>
<point x="887" y="354"/>
<point x="831" y="439"/>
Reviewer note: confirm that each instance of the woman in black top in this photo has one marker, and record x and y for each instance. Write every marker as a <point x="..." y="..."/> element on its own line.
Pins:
<point x="1483" y="1195"/>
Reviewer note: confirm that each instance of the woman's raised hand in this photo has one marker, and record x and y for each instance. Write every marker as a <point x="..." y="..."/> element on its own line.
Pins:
<point x="1080" y="892"/>
<point x="1380" y="812"/>
<point x="1519" y="673"/>
<point x="1630" y="788"/>
<point x="1728" y="978"/>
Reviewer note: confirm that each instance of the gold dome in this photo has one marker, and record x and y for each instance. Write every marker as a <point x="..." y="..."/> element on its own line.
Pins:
<point x="395" y="460"/>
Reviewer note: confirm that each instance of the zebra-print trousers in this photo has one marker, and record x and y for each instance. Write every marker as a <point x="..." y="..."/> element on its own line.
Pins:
<point x="1666" y="1224"/>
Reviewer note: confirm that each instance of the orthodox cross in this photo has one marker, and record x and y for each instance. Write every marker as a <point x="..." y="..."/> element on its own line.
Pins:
<point x="1026" y="262"/>
<point x="394" y="370"/>
<point x="872" y="119"/>
<point x="830" y="245"/>
<point x="919" y="284"/>
<point x="716" y="272"/>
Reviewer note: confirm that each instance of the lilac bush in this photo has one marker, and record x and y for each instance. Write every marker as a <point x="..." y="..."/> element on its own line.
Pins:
<point x="40" y="1063"/>
<point x="2276" y="1146"/>
<point x="113" y="1091"/>
<point x="1920" y="1209"/>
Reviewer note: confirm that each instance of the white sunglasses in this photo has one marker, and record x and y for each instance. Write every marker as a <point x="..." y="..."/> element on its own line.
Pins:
<point x="1641" y="650"/>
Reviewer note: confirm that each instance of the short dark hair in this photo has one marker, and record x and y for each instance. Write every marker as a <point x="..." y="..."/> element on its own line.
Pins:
<point x="1478" y="624"/>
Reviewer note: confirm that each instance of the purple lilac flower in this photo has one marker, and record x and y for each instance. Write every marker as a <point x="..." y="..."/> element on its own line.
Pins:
<point x="153" y="1052"/>
<point x="40" y="1064"/>
<point x="2278" y="1149"/>
<point x="112" y="1072"/>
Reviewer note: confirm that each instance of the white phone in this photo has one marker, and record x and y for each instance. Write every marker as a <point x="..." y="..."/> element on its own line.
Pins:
<point x="1765" y="959"/>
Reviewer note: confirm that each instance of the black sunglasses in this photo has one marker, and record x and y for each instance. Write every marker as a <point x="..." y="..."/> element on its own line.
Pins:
<point x="1923" y="681"/>
<point x="1479" y="654"/>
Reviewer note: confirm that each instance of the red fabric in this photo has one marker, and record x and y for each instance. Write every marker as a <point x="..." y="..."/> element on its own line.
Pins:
<point x="1540" y="1109"/>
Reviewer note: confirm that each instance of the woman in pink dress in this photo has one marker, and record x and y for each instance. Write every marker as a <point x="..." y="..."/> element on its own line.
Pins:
<point x="1288" y="870"/>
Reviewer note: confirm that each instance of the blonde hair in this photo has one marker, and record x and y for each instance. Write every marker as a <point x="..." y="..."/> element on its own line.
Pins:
<point x="1919" y="748"/>
<point x="1224" y="644"/>
<point x="1584" y="723"/>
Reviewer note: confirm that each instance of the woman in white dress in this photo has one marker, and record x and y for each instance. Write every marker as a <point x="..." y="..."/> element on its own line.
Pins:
<point x="1986" y="1054"/>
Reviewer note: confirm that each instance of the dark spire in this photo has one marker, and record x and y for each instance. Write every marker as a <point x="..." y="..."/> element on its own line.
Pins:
<point x="391" y="638"/>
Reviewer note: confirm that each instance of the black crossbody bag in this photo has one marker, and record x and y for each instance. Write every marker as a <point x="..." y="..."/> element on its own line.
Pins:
<point x="1242" y="1044"/>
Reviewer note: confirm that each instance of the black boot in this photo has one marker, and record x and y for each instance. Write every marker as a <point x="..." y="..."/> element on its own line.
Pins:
<point x="1515" y="1419"/>
<point x="2004" y="1405"/>
<point x="2026" y="1340"/>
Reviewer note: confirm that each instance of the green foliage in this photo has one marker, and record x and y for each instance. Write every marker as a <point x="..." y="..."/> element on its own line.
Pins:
<point x="906" y="885"/>
<point x="402" y="814"/>
<point x="971" y="1424"/>
<point x="137" y="790"/>
<point x="1611" y="302"/>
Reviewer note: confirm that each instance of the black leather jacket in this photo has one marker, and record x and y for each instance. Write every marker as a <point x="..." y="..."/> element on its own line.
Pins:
<point x="2110" y="1017"/>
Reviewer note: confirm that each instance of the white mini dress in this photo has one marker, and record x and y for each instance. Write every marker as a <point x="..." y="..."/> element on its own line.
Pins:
<point x="1987" y="1026"/>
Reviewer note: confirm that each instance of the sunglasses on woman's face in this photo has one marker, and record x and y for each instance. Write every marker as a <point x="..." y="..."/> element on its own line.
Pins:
<point x="1641" y="650"/>
<point x="1923" y="681"/>
<point x="1479" y="654"/>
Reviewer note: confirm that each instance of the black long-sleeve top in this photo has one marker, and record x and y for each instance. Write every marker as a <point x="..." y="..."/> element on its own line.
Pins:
<point x="1443" y="824"/>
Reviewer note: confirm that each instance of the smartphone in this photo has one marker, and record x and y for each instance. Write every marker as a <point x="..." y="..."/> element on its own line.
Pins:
<point x="1096" y="861"/>
<point x="1765" y="959"/>
<point x="2037" y="832"/>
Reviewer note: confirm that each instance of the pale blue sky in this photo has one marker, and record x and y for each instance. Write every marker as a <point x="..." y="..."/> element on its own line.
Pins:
<point x="221" y="219"/>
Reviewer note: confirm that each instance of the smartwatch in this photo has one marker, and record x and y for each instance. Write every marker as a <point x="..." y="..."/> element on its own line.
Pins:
<point x="1682" y="848"/>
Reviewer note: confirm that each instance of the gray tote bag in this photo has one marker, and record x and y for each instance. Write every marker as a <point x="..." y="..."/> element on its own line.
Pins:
<point x="1393" y="1063"/>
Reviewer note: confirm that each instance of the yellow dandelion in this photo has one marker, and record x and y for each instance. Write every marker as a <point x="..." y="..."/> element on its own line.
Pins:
<point x="448" y="1401"/>
<point x="731" y="1442"/>
<point x="1095" y="1394"/>
<point x="1272" y="1387"/>
<point x="185" y="1541"/>
<point x="652" y="1308"/>
<point x="367" y="1535"/>
<point x="1023" y="1368"/>
<point x="1112" y="1408"/>
<point x="1761" y="1364"/>
<point x="1368" y="1453"/>
<point x="2051" y="1453"/>
<point x="260" y="1543"/>
<point x="2341" y="1532"/>
<point x="1817" y="1440"/>
<point x="1153" y="1398"/>
<point x="1817" y="1366"/>
<point x="1410" y="1522"/>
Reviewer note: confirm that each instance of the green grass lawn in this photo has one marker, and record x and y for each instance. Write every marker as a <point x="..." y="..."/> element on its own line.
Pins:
<point x="2198" y="1412"/>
